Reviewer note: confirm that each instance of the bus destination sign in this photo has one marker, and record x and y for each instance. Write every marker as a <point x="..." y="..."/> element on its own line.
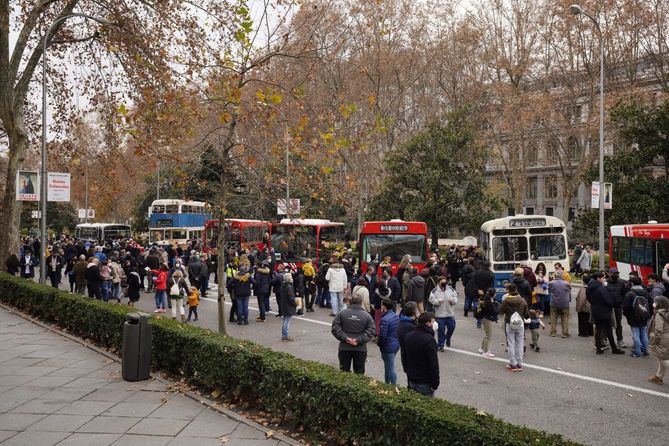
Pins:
<point x="395" y="228"/>
<point x="164" y="222"/>
<point x="527" y="222"/>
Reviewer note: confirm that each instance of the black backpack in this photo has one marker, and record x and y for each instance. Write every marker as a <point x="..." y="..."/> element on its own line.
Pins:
<point x="641" y="308"/>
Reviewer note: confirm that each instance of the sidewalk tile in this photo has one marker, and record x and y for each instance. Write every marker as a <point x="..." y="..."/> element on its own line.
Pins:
<point x="252" y="442"/>
<point x="67" y="394"/>
<point x="92" y="408"/>
<point x="16" y="380"/>
<point x="39" y="406"/>
<point x="245" y="431"/>
<point x="38" y="370"/>
<point x="24" y="393"/>
<point x="105" y="395"/>
<point x="78" y="439"/>
<point x="70" y="372"/>
<point x="144" y="396"/>
<point x="56" y="362"/>
<point x="143" y="440"/>
<point x="210" y="424"/>
<point x="155" y="426"/>
<point x="44" y="352"/>
<point x="52" y="382"/>
<point x="6" y="434"/>
<point x="109" y="425"/>
<point x="87" y="383"/>
<point x="132" y="409"/>
<point x="60" y="423"/>
<point x="34" y="438"/>
<point x="20" y="362"/>
<point x="196" y="441"/>
<point x="6" y="405"/>
<point x="182" y="409"/>
<point x="17" y="421"/>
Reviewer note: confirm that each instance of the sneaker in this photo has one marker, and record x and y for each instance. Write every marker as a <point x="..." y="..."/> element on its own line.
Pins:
<point x="488" y="355"/>
<point x="448" y="343"/>
<point x="259" y="319"/>
<point x="655" y="379"/>
<point x="538" y="350"/>
<point x="621" y="344"/>
<point x="157" y="310"/>
<point x="566" y="335"/>
<point x="442" y="349"/>
<point x="552" y="335"/>
<point x="634" y="355"/>
<point x="644" y="354"/>
<point x="195" y="319"/>
<point x="511" y="368"/>
<point x="532" y="345"/>
<point x="481" y="351"/>
<point x="519" y="368"/>
<point x="287" y="339"/>
<point x="618" y="352"/>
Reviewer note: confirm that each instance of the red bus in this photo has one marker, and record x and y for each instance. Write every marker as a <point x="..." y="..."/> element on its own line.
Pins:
<point x="296" y="240"/>
<point x="642" y="248"/>
<point x="248" y="234"/>
<point x="394" y="239"/>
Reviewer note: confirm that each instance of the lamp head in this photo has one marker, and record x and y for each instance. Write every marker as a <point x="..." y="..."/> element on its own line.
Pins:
<point x="575" y="9"/>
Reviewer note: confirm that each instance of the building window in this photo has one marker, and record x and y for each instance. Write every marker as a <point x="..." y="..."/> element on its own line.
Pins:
<point x="529" y="211"/>
<point x="550" y="211"/>
<point x="552" y="151"/>
<point x="531" y="154"/>
<point x="531" y="189"/>
<point x="574" y="148"/>
<point x="572" y="214"/>
<point x="550" y="187"/>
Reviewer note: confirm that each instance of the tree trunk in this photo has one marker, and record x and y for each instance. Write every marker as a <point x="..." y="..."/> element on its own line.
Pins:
<point x="222" y="278"/>
<point x="11" y="209"/>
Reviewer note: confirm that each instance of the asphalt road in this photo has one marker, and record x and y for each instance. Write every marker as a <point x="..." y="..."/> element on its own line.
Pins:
<point x="566" y="389"/>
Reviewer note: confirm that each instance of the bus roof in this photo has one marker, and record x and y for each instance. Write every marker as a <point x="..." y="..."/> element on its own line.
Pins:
<point x="522" y="221"/>
<point x="645" y="230"/>
<point x="244" y="220"/>
<point x="100" y="225"/>
<point x="177" y="201"/>
<point x="309" y="222"/>
<point x="393" y="227"/>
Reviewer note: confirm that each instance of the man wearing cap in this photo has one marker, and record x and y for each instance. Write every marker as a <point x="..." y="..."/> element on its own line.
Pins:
<point x="617" y="289"/>
<point x="560" y="291"/>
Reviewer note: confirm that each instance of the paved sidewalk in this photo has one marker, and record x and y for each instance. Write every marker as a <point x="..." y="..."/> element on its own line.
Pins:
<point x="56" y="391"/>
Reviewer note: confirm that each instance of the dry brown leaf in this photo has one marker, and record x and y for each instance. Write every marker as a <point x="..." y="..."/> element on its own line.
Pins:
<point x="269" y="434"/>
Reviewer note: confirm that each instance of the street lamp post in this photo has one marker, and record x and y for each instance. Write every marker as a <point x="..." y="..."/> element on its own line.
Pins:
<point x="43" y="170"/>
<point x="576" y="10"/>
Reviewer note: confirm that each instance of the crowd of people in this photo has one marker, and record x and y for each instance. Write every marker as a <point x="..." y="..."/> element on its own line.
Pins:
<point x="402" y="309"/>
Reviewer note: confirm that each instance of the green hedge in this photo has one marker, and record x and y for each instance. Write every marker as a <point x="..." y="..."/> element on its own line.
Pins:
<point x="318" y="397"/>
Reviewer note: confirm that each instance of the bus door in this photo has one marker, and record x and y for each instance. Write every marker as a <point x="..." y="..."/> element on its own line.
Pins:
<point x="661" y="255"/>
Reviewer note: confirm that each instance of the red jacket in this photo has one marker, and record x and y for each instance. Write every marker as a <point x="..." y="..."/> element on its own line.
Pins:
<point x="161" y="280"/>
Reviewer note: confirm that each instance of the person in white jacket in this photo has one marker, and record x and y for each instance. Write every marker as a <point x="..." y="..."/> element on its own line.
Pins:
<point x="336" y="279"/>
<point x="444" y="298"/>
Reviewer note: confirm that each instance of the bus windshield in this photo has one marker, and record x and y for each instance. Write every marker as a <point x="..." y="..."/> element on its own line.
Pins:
<point x="87" y="233"/>
<point x="294" y="243"/>
<point x="509" y="249"/>
<point x="548" y="247"/>
<point x="394" y="246"/>
<point x="116" y="232"/>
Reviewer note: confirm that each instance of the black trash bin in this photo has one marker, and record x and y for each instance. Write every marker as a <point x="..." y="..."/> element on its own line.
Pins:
<point x="136" y="354"/>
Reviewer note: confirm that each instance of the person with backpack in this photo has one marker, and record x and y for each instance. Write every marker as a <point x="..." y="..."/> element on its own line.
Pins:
<point x="417" y="289"/>
<point x="658" y="344"/>
<point x="487" y="312"/>
<point x="134" y="285"/>
<point x="443" y="299"/>
<point x="636" y="309"/>
<point x="178" y="289"/>
<point x="515" y="310"/>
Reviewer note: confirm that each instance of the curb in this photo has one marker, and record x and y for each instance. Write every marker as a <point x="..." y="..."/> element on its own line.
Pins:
<point x="192" y="395"/>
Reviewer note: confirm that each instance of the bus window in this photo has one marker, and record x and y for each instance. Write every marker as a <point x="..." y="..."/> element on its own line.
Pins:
<point x="394" y="246"/>
<point x="178" y="234"/>
<point x="331" y="238"/>
<point x="158" y="209"/>
<point x="294" y="243"/>
<point x="195" y="235"/>
<point x="156" y="235"/>
<point x="84" y="233"/>
<point x="172" y="209"/>
<point x="623" y="250"/>
<point x="547" y="247"/>
<point x="509" y="249"/>
<point x="232" y="234"/>
<point x="662" y="254"/>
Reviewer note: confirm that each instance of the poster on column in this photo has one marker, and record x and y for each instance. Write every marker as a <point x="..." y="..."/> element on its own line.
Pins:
<point x="58" y="186"/>
<point x="27" y="186"/>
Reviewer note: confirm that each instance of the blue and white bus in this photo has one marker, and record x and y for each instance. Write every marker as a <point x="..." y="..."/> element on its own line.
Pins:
<point x="177" y="221"/>
<point x="506" y="242"/>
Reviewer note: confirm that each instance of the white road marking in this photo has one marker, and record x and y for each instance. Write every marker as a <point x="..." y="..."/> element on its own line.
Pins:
<point x="525" y="365"/>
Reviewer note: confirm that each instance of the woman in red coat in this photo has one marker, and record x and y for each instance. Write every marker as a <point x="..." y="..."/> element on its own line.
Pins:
<point x="160" y="282"/>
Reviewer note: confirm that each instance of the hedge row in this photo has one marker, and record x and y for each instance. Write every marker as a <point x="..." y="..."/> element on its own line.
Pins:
<point x="317" y="397"/>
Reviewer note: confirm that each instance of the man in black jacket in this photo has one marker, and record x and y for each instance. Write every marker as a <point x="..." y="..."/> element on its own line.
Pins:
<point x="406" y="326"/>
<point x="421" y="357"/>
<point x="477" y="286"/>
<point x="522" y="286"/>
<point x="636" y="322"/>
<point x="354" y="328"/>
<point x="617" y="289"/>
<point x="601" y="306"/>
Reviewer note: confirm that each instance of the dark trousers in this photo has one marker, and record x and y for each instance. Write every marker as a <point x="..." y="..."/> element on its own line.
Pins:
<point x="357" y="357"/>
<point x="618" y="311"/>
<point x="423" y="389"/>
<point x="261" y="304"/>
<point x="192" y="311"/>
<point x="94" y="291"/>
<point x="54" y="276"/>
<point x="73" y="284"/>
<point x="233" y="310"/>
<point x="584" y="325"/>
<point x="603" y="330"/>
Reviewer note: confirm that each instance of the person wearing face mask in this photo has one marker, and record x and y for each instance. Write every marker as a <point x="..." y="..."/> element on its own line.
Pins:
<point x="617" y="289"/>
<point x="658" y="330"/>
<point x="601" y="309"/>
<point x="443" y="298"/>
<point x="354" y="328"/>
<point x="422" y="363"/>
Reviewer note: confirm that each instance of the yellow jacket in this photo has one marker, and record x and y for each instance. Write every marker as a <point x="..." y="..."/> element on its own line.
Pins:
<point x="309" y="270"/>
<point x="193" y="297"/>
